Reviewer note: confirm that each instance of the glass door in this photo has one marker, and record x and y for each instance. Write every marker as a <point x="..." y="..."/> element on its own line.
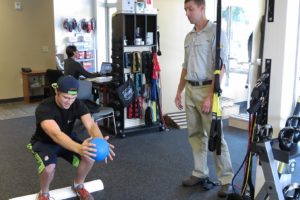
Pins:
<point x="238" y="21"/>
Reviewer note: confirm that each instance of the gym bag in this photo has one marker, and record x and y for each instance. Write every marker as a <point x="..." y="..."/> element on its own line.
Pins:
<point x="126" y="92"/>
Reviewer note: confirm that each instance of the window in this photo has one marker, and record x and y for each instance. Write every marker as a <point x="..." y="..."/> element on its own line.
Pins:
<point x="105" y="10"/>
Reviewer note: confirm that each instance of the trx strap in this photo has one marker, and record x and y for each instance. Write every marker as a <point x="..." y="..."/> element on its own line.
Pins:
<point x="137" y="62"/>
<point x="214" y="142"/>
<point x="147" y="65"/>
<point x="158" y="43"/>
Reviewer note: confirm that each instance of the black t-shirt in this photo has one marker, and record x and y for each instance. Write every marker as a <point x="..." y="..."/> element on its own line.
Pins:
<point x="65" y="118"/>
<point x="75" y="69"/>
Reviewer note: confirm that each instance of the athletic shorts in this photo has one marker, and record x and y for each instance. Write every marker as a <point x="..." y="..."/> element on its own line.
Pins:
<point x="47" y="153"/>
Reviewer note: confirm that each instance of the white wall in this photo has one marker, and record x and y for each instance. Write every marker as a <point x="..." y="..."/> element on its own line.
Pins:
<point x="280" y="46"/>
<point x="63" y="9"/>
<point x="27" y="40"/>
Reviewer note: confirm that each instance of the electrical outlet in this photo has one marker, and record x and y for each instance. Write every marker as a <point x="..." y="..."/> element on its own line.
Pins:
<point x="18" y="5"/>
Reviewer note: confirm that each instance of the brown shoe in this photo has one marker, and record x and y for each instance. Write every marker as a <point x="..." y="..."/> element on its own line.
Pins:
<point x="193" y="180"/>
<point x="224" y="190"/>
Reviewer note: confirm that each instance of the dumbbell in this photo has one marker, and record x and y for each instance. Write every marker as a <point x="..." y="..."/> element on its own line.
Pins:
<point x="288" y="138"/>
<point x="293" y="121"/>
<point x="291" y="191"/>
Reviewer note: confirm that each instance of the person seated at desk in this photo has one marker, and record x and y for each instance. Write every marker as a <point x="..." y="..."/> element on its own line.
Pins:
<point x="73" y="67"/>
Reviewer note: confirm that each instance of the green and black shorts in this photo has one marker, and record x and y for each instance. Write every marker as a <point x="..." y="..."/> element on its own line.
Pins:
<point x="47" y="153"/>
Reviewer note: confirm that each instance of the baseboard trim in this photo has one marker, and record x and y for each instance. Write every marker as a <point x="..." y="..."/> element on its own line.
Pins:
<point x="12" y="100"/>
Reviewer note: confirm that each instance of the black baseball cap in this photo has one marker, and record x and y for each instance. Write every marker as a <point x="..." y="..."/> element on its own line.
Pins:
<point x="67" y="84"/>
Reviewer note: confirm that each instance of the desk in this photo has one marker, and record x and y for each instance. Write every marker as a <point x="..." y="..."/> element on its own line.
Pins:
<point x="100" y="89"/>
<point x="101" y="79"/>
<point x="101" y="84"/>
<point x="29" y="84"/>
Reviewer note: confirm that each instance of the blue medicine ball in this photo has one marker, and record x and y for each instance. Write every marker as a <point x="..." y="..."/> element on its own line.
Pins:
<point x="102" y="148"/>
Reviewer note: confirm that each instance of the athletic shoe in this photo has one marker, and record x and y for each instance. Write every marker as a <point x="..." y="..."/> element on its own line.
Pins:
<point x="224" y="190"/>
<point x="193" y="180"/>
<point x="82" y="193"/>
<point x="43" y="196"/>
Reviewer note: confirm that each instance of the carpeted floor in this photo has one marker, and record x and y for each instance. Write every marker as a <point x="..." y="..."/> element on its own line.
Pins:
<point x="148" y="166"/>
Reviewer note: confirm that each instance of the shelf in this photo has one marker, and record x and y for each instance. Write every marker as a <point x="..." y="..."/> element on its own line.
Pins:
<point x="86" y="49"/>
<point x="82" y="46"/>
<point x="126" y="28"/>
<point x="279" y="155"/>
<point x="137" y="48"/>
<point x="284" y="156"/>
<point x="37" y="87"/>
<point x="85" y="59"/>
<point x="141" y="128"/>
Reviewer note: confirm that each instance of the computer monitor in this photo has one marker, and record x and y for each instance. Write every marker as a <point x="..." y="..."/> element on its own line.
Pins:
<point x="106" y="68"/>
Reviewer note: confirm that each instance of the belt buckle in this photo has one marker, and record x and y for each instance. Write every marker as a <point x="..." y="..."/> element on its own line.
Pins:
<point x="195" y="83"/>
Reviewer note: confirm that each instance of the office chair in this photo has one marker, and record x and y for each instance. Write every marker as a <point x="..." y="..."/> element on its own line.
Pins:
<point x="98" y="112"/>
<point x="59" y="59"/>
<point x="51" y="76"/>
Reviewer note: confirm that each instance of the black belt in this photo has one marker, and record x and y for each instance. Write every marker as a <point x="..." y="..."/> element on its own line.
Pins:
<point x="199" y="83"/>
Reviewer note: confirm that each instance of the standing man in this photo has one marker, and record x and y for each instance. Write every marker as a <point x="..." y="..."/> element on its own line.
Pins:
<point x="54" y="137"/>
<point x="197" y="77"/>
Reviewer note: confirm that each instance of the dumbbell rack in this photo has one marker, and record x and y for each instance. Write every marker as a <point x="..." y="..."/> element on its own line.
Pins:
<point x="268" y="152"/>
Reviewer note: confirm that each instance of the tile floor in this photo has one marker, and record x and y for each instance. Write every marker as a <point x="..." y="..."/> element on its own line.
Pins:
<point x="16" y="110"/>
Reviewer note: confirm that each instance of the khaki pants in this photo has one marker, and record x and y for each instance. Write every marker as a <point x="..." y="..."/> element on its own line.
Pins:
<point x="199" y="127"/>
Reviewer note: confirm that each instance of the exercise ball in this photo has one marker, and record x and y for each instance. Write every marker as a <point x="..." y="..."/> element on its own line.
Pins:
<point x="102" y="148"/>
